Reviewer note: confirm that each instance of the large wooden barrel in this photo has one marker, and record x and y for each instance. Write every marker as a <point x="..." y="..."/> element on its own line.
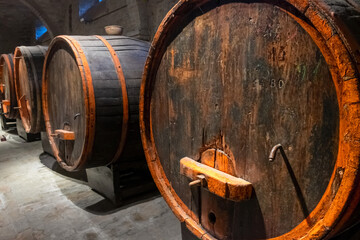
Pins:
<point x="9" y="103"/>
<point x="225" y="83"/>
<point x="91" y="88"/>
<point x="28" y="66"/>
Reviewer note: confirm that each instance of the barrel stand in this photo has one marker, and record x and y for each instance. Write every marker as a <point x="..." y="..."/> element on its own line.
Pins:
<point x="6" y="123"/>
<point x="29" y="137"/>
<point x="46" y="144"/>
<point x="120" y="183"/>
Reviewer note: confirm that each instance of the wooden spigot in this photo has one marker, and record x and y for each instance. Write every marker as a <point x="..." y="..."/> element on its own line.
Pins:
<point x="217" y="182"/>
<point x="64" y="135"/>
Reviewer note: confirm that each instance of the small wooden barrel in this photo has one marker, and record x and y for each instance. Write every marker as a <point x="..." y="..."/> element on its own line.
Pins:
<point x="28" y="66"/>
<point x="225" y="83"/>
<point x="7" y="86"/>
<point x="91" y="88"/>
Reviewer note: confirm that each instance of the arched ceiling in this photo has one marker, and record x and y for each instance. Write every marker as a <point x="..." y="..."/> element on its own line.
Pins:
<point x="16" y="25"/>
<point x="14" y="13"/>
<point x="17" y="21"/>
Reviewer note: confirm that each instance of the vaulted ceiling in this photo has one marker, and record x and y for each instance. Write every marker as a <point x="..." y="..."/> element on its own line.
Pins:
<point x="16" y="25"/>
<point x="14" y="13"/>
<point x="18" y="17"/>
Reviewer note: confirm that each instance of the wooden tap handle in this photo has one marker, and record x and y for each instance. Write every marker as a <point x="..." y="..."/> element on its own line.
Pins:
<point x="64" y="135"/>
<point x="217" y="182"/>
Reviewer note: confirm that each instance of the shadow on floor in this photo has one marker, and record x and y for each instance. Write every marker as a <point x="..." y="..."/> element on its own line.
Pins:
<point x="11" y="134"/>
<point x="50" y="162"/>
<point x="91" y="200"/>
<point x="11" y="131"/>
<point x="105" y="206"/>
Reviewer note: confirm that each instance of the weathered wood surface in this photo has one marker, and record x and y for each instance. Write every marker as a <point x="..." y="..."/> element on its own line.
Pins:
<point x="345" y="18"/>
<point x="91" y="87"/>
<point x="28" y="67"/>
<point x="8" y="100"/>
<point x="242" y="77"/>
<point x="216" y="181"/>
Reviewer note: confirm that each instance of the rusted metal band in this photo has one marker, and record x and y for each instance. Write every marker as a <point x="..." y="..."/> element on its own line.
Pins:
<point x="125" y="101"/>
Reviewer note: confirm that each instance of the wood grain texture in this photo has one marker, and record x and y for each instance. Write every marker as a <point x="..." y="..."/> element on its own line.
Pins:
<point x="28" y="66"/>
<point x="242" y="77"/>
<point x="92" y="76"/>
<point x="8" y="87"/>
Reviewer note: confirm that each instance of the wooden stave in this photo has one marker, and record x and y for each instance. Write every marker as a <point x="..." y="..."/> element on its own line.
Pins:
<point x="8" y="62"/>
<point x="33" y="56"/>
<point x="92" y="152"/>
<point x="132" y="73"/>
<point x="334" y="219"/>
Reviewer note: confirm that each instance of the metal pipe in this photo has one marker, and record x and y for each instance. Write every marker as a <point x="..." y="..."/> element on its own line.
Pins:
<point x="272" y="154"/>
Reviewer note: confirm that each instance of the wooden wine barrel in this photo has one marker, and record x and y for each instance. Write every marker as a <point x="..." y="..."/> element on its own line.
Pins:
<point x="7" y="86"/>
<point x="28" y="66"/>
<point x="250" y="115"/>
<point x="91" y="88"/>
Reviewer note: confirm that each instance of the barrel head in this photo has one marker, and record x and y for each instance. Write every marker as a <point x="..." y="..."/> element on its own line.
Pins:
<point x="242" y="78"/>
<point x="66" y="105"/>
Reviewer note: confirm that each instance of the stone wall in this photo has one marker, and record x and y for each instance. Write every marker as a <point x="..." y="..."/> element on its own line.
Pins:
<point x="140" y="18"/>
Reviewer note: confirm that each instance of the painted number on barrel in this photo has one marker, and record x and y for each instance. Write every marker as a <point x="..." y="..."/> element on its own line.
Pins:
<point x="277" y="83"/>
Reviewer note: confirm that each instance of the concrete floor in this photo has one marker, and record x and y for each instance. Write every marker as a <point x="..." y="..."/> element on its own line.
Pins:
<point x="38" y="203"/>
